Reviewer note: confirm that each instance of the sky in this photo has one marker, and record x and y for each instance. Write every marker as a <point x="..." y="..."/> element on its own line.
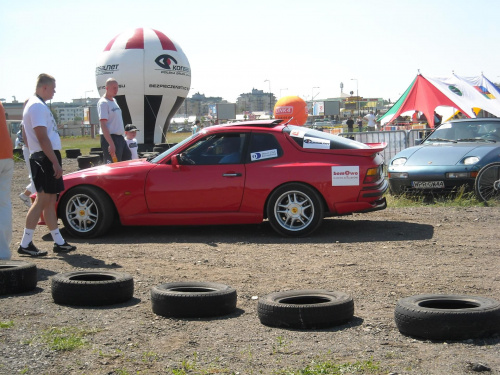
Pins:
<point x="303" y="48"/>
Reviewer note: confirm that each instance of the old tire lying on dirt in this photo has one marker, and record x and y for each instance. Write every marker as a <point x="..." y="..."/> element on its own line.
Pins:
<point x="88" y="161"/>
<point x="193" y="299"/>
<point x="17" y="276"/>
<point x="73" y="153"/>
<point x="305" y="309"/>
<point x="447" y="317"/>
<point x="92" y="288"/>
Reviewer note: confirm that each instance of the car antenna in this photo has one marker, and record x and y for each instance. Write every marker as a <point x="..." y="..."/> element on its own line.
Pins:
<point x="286" y="123"/>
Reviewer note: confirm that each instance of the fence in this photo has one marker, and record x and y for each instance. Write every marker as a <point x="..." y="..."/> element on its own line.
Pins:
<point x="396" y="140"/>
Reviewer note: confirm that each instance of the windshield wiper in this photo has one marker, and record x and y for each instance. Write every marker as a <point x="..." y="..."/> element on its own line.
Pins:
<point x="440" y="140"/>
<point x="475" y="140"/>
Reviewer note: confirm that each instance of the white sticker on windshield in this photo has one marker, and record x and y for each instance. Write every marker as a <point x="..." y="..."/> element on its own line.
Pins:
<point x="263" y="155"/>
<point x="312" y="142"/>
<point x="345" y="176"/>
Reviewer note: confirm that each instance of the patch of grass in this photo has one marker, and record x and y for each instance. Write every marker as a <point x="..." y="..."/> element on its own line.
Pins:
<point x="83" y="143"/>
<point x="332" y="368"/>
<point x="192" y="367"/>
<point x="8" y="324"/>
<point x="66" y="338"/>
<point x="460" y="198"/>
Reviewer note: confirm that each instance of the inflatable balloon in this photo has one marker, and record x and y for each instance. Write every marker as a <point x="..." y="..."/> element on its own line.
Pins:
<point x="154" y="78"/>
<point x="291" y="106"/>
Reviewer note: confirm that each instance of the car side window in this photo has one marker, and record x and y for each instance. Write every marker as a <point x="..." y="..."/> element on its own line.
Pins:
<point x="263" y="146"/>
<point x="215" y="149"/>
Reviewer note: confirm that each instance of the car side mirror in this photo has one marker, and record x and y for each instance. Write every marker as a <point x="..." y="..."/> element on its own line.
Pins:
<point x="175" y="162"/>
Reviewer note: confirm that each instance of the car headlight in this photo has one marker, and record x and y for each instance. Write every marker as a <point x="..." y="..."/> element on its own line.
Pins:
<point x="398" y="175"/>
<point x="471" y="160"/>
<point x="399" y="161"/>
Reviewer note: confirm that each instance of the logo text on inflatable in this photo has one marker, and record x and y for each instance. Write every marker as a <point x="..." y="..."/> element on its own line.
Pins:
<point x="288" y="110"/>
<point x="106" y="69"/>
<point x="167" y="63"/>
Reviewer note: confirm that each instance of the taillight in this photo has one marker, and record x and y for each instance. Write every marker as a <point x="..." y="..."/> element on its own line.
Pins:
<point x="373" y="175"/>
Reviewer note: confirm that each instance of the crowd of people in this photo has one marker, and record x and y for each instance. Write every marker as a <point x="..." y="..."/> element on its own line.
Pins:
<point x="42" y="152"/>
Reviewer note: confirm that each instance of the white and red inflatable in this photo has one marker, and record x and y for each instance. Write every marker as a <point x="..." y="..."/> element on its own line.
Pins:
<point x="154" y="79"/>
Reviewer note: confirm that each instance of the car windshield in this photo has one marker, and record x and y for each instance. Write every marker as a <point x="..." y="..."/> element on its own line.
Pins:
<point x="162" y="155"/>
<point x="466" y="131"/>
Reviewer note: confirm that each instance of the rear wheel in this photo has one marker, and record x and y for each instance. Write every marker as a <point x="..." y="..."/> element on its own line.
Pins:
<point x="86" y="212"/>
<point x="295" y="210"/>
<point x="487" y="185"/>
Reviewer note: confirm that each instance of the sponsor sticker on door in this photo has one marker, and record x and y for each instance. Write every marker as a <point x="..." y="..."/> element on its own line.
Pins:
<point x="345" y="176"/>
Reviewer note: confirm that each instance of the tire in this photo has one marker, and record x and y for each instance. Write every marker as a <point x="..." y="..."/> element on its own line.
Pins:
<point x="305" y="309"/>
<point x="487" y="185"/>
<point x="88" y="161"/>
<point x="17" y="276"/>
<point x="86" y="212"/>
<point x="295" y="210"/>
<point x="92" y="288"/>
<point x="73" y="153"/>
<point x="193" y="299"/>
<point x="95" y="149"/>
<point x="447" y="317"/>
<point x="158" y="149"/>
<point x="98" y="153"/>
<point x="18" y="154"/>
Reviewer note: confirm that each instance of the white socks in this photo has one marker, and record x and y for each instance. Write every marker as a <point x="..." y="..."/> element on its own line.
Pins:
<point x="56" y="236"/>
<point x="27" y="237"/>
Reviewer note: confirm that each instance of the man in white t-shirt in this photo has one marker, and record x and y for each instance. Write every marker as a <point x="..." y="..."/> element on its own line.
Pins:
<point x="113" y="144"/>
<point x="372" y="125"/>
<point x="130" y="132"/>
<point x="46" y="167"/>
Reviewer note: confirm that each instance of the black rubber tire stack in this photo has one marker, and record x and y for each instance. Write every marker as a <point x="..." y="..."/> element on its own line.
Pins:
<point x="88" y="161"/>
<point x="73" y="153"/>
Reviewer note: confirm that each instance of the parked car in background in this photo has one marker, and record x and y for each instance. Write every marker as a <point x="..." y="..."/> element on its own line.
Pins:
<point x="450" y="157"/>
<point x="239" y="173"/>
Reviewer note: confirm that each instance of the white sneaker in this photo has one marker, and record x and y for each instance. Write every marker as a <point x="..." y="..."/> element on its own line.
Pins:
<point x="25" y="199"/>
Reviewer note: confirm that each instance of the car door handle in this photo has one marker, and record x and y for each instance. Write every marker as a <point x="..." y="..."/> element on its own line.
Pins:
<point x="231" y="175"/>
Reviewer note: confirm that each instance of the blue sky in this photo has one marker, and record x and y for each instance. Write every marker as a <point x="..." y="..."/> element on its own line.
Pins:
<point x="234" y="46"/>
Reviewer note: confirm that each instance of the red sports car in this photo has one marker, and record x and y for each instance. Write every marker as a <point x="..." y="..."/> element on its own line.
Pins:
<point x="237" y="173"/>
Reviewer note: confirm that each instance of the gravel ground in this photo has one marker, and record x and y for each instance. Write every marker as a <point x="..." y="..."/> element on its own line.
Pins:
<point x="377" y="258"/>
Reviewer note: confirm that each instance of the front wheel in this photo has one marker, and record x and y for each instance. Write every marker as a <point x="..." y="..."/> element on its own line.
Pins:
<point x="487" y="185"/>
<point x="86" y="212"/>
<point x="295" y="210"/>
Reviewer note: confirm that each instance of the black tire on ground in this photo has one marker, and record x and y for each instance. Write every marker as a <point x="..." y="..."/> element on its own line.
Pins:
<point x="99" y="153"/>
<point x="88" y="161"/>
<point x="73" y="153"/>
<point x="17" y="276"/>
<point x="305" y="309"/>
<point x="95" y="149"/>
<point x="193" y="299"/>
<point x="295" y="209"/>
<point x="92" y="288"/>
<point x="158" y="149"/>
<point x="86" y="211"/>
<point x="447" y="317"/>
<point x="487" y="184"/>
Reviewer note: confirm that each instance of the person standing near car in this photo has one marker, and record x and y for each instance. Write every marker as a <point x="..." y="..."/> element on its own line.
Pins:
<point x="360" y="124"/>
<point x="46" y="167"/>
<point x="372" y="125"/>
<point x="350" y="125"/>
<point x="113" y="143"/>
<point x="6" y="172"/>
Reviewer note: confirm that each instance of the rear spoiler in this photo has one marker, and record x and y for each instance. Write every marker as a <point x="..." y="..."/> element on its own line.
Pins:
<point x="374" y="148"/>
<point x="377" y="147"/>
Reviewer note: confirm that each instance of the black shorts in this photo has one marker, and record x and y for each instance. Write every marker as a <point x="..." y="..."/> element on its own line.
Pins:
<point x="42" y="173"/>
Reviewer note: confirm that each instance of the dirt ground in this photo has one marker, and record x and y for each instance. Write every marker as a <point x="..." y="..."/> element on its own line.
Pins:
<point x="377" y="258"/>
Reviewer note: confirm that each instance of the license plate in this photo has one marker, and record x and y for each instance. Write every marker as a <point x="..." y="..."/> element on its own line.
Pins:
<point x="428" y="184"/>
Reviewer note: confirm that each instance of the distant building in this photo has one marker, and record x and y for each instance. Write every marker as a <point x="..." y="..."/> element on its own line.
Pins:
<point x="256" y="101"/>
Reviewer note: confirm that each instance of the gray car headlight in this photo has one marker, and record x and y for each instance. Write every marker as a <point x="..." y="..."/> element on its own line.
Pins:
<point x="399" y="161"/>
<point x="471" y="160"/>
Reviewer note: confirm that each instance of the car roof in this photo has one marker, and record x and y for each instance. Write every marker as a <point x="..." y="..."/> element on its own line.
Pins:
<point x="256" y="123"/>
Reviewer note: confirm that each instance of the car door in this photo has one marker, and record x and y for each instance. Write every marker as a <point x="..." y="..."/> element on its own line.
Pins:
<point x="199" y="184"/>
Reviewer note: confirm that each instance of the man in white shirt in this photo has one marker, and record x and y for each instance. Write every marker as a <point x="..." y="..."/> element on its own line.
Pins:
<point x="46" y="167"/>
<point x="113" y="144"/>
<point x="372" y="125"/>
